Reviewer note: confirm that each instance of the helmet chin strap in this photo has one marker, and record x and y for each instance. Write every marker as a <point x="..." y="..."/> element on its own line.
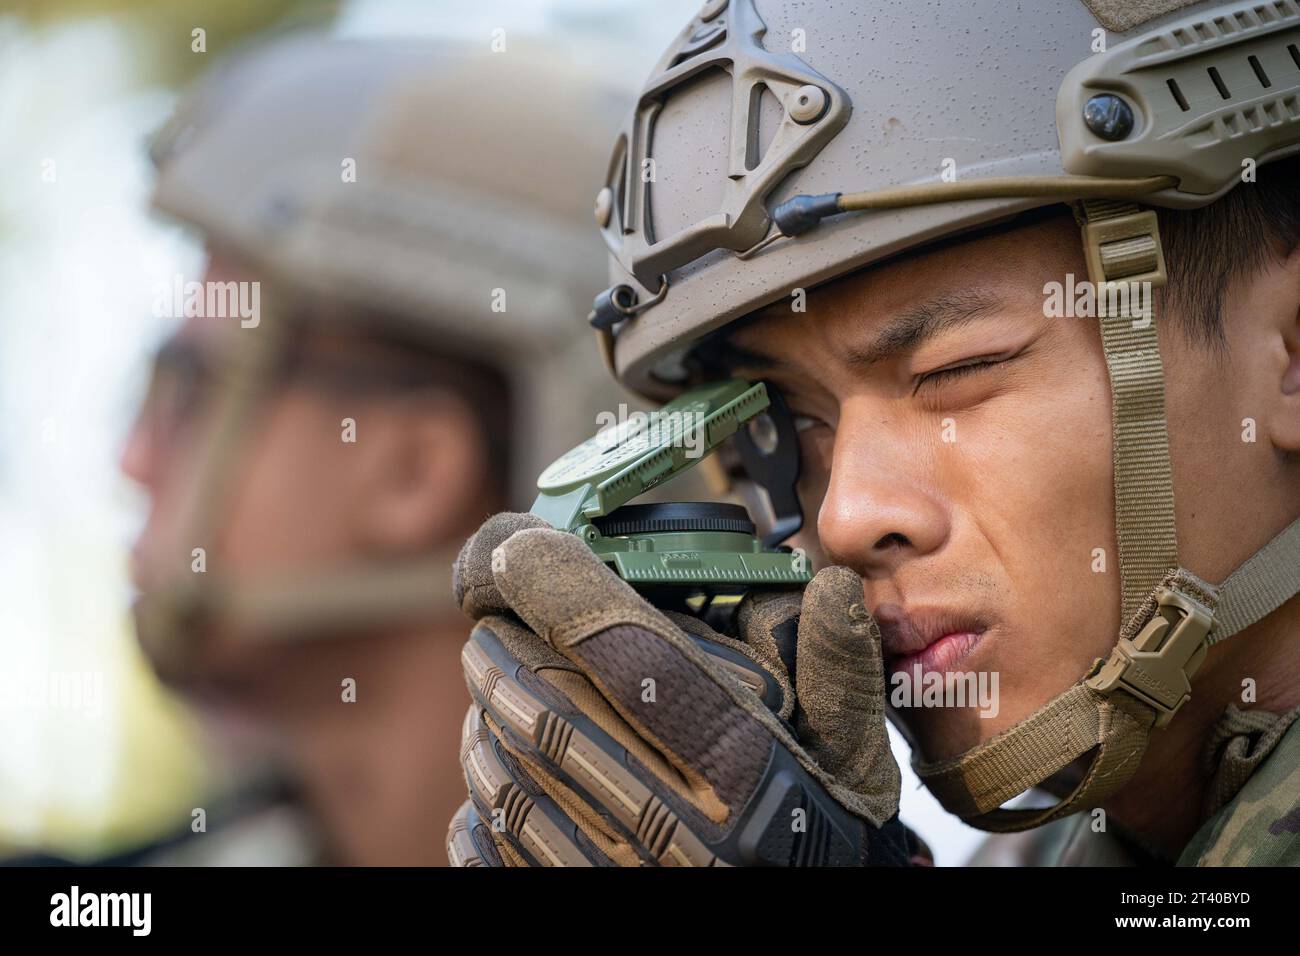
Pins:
<point x="307" y="606"/>
<point x="1171" y="617"/>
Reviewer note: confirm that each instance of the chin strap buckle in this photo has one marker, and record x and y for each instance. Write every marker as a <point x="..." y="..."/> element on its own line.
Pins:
<point x="1158" y="664"/>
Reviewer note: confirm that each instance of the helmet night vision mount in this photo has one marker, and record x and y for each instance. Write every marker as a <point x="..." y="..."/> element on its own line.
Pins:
<point x="683" y="553"/>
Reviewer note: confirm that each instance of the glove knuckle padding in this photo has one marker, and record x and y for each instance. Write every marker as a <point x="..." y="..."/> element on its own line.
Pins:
<point x="468" y="841"/>
<point x="529" y="822"/>
<point x="572" y="758"/>
<point x="563" y="828"/>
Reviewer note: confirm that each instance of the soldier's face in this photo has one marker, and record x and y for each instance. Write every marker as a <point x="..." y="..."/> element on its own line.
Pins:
<point x="289" y="476"/>
<point x="956" y="447"/>
<point x="333" y="468"/>
<point x="294" y="498"/>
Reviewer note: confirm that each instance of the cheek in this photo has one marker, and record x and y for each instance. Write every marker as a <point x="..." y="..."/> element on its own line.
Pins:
<point x="1040" y="469"/>
<point x="1039" y="473"/>
<point x="288" y="505"/>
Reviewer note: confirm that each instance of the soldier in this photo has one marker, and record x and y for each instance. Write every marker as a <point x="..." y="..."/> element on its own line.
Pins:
<point x="405" y="218"/>
<point x="877" y="208"/>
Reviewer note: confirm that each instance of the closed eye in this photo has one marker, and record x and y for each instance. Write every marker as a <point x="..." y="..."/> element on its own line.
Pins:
<point x="958" y="370"/>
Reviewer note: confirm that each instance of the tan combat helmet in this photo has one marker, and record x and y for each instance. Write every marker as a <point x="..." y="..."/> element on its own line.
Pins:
<point x="778" y="145"/>
<point x="470" y="186"/>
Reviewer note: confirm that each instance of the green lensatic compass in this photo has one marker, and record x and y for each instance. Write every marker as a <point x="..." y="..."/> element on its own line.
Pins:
<point x="682" y="553"/>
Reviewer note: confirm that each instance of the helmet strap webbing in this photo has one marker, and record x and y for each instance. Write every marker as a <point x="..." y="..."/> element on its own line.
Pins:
<point x="1170" y="616"/>
<point x="1125" y="266"/>
<point x="330" y="602"/>
<point x="1264" y="582"/>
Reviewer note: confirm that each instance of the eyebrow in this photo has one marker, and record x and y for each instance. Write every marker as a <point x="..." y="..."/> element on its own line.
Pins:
<point x="903" y="333"/>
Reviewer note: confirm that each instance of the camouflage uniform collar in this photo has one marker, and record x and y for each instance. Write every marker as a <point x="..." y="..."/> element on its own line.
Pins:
<point x="1253" y="801"/>
<point x="1238" y="744"/>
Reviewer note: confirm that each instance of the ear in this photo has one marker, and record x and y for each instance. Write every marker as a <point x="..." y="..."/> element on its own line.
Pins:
<point x="422" y="479"/>
<point x="1284" y="424"/>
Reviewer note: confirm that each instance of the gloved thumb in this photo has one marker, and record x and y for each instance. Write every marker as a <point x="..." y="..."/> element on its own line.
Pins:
<point x="840" y="687"/>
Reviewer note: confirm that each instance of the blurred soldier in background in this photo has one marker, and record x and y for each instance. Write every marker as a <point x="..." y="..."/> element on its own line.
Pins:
<point x="411" y="223"/>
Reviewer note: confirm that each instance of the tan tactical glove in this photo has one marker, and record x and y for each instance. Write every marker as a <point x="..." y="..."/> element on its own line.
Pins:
<point x="602" y="733"/>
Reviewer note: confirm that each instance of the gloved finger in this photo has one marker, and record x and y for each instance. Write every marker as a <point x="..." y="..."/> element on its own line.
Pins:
<point x="468" y="842"/>
<point x="768" y="622"/>
<point x="471" y="575"/>
<point x="649" y="671"/>
<point x="840" y="685"/>
<point x="534" y="737"/>
<point x="515" y="811"/>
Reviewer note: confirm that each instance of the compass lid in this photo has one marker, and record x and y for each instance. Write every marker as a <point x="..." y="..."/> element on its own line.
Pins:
<point x="628" y="459"/>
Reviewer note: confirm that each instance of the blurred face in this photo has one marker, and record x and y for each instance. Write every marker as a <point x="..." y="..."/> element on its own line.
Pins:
<point x="283" y="509"/>
<point x="301" y="498"/>
<point x="277" y="518"/>
<point x="956" y="449"/>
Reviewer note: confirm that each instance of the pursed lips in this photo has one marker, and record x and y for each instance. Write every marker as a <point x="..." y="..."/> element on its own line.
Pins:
<point x="933" y="638"/>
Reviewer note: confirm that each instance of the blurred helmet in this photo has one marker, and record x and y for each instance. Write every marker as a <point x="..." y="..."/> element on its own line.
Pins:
<point x="423" y="182"/>
<point x="780" y="144"/>
<point x="441" y="192"/>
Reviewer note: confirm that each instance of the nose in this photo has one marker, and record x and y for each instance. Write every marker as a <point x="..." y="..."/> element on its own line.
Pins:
<point x="138" y="454"/>
<point x="881" y="507"/>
